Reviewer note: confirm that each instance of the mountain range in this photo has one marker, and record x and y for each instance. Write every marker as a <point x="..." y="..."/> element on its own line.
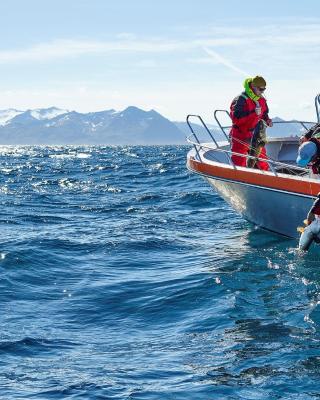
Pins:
<point x="54" y="126"/>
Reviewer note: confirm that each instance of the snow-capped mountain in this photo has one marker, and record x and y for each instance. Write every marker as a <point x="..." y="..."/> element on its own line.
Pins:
<point x="7" y="115"/>
<point x="130" y="126"/>
<point x="47" y="113"/>
<point x="57" y="126"/>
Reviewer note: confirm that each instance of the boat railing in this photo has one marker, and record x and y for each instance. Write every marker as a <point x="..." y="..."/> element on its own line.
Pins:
<point x="273" y="164"/>
<point x="225" y="129"/>
<point x="222" y="128"/>
<point x="206" y="129"/>
<point x="317" y="104"/>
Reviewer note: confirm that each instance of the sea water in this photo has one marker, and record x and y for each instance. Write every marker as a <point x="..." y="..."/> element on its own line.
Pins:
<point x="123" y="276"/>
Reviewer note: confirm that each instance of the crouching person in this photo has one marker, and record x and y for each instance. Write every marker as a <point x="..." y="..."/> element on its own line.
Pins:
<point x="309" y="155"/>
<point x="312" y="232"/>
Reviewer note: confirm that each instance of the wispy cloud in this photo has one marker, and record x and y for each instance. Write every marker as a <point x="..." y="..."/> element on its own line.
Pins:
<point x="222" y="60"/>
<point x="293" y="42"/>
<point x="74" y="48"/>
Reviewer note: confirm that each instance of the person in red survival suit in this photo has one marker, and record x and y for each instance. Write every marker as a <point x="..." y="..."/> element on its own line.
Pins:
<point x="246" y="111"/>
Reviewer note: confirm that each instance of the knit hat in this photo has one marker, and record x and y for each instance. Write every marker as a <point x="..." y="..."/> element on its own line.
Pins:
<point x="305" y="153"/>
<point x="258" y="81"/>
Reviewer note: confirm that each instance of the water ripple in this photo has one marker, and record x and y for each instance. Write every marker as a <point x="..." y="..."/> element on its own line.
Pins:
<point x="123" y="276"/>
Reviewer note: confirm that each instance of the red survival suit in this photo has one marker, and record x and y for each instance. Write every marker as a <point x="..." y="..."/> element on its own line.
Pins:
<point x="244" y="120"/>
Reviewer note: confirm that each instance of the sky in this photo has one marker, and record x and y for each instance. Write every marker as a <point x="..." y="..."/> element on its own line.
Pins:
<point x="177" y="57"/>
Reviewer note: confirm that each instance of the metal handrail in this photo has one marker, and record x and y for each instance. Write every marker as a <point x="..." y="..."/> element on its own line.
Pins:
<point x="203" y="124"/>
<point x="317" y="103"/>
<point x="198" y="145"/>
<point x="280" y="122"/>
<point x="218" y="122"/>
<point x="195" y="146"/>
<point x="228" y="152"/>
<point x="196" y="137"/>
<point x="302" y="123"/>
<point x="207" y="129"/>
<point x="222" y="128"/>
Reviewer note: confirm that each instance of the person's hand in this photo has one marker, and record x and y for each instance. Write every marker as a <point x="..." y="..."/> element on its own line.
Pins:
<point x="270" y="123"/>
<point x="258" y="110"/>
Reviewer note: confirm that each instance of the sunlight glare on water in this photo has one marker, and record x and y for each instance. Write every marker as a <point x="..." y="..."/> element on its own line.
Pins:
<point x="125" y="277"/>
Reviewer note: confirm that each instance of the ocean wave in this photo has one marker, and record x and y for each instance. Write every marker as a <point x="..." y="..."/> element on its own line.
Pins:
<point x="30" y="345"/>
<point x="124" y="276"/>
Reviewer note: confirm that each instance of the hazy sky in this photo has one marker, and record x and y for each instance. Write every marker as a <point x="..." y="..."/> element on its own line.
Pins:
<point x="177" y="57"/>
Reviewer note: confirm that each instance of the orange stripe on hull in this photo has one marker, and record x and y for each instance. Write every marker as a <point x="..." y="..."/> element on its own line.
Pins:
<point x="256" y="177"/>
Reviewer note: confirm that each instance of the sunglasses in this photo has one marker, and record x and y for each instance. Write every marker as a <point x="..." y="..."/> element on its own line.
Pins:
<point x="262" y="89"/>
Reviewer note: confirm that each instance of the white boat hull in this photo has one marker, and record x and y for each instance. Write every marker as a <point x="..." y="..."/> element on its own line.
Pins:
<point x="276" y="211"/>
<point x="278" y="199"/>
<point x="278" y="202"/>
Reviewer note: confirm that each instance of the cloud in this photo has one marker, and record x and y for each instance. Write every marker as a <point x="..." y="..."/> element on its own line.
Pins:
<point x="174" y="99"/>
<point x="222" y="60"/>
<point x="74" y="48"/>
<point x="260" y="46"/>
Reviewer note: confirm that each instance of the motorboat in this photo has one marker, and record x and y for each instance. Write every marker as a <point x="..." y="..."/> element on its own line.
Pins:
<point x="277" y="200"/>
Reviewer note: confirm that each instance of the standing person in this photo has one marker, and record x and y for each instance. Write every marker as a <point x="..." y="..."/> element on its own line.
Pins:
<point x="247" y="110"/>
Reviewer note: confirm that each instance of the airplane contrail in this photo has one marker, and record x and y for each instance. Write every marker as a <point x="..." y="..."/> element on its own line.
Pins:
<point x="224" y="61"/>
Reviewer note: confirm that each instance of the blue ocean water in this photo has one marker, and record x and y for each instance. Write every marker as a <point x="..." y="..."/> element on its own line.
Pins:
<point x="123" y="276"/>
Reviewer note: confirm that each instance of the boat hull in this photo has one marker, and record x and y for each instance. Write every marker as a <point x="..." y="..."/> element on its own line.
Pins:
<point x="278" y="199"/>
<point x="277" y="211"/>
<point x="278" y="202"/>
